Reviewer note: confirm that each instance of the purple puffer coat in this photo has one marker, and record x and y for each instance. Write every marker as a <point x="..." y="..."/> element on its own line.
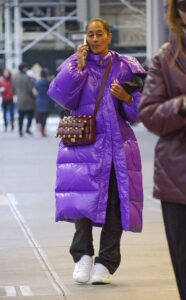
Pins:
<point x="83" y="171"/>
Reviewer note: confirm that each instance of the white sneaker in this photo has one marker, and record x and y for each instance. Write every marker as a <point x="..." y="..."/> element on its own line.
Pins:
<point x="82" y="269"/>
<point x="100" y="275"/>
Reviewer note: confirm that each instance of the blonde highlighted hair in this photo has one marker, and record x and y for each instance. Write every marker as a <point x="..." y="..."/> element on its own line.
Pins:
<point x="175" y="23"/>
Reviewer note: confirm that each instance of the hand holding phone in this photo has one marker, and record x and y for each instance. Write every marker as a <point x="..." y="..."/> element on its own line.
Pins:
<point x="82" y="52"/>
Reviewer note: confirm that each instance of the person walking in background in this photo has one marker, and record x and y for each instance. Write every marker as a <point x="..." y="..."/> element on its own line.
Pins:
<point x="42" y="101"/>
<point x="163" y="112"/>
<point x="23" y="88"/>
<point x="99" y="184"/>
<point x="7" y="98"/>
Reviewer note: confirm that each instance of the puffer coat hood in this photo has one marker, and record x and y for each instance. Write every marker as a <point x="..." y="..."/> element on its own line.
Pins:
<point x="83" y="172"/>
<point x="160" y="112"/>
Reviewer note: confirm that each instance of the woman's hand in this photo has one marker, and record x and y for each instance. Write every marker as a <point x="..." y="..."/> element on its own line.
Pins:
<point x="82" y="52"/>
<point x="118" y="92"/>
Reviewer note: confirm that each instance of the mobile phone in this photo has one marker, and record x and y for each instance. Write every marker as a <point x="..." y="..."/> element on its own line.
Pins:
<point x="85" y="40"/>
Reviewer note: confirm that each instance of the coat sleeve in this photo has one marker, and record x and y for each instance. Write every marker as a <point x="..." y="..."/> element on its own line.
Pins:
<point x="65" y="88"/>
<point x="30" y="86"/>
<point x="132" y="109"/>
<point x="159" y="113"/>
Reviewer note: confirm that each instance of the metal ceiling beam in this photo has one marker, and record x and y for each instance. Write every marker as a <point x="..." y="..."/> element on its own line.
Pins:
<point x="132" y="7"/>
<point x="50" y="30"/>
<point x="45" y="26"/>
<point x="45" y="19"/>
<point x="38" y="3"/>
<point x="13" y="36"/>
<point x="128" y="26"/>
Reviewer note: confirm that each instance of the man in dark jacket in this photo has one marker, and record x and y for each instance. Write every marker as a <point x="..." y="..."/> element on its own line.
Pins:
<point x="23" y="89"/>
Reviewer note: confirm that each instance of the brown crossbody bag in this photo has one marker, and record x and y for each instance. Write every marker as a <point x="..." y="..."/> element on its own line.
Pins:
<point x="81" y="130"/>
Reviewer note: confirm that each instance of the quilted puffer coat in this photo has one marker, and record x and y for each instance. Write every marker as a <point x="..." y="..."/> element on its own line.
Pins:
<point x="160" y="112"/>
<point x="83" y="171"/>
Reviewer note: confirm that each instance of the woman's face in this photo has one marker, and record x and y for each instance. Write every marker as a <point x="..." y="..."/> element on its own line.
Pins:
<point x="98" y="38"/>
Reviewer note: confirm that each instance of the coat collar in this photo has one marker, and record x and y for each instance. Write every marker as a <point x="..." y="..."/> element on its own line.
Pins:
<point x="98" y="59"/>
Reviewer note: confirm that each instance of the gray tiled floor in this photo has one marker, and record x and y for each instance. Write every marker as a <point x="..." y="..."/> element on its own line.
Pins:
<point x="34" y="249"/>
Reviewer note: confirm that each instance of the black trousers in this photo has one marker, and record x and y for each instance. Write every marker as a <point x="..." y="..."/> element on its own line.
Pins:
<point x="174" y="216"/>
<point x="109" y="251"/>
<point x="22" y="114"/>
<point x="8" y="105"/>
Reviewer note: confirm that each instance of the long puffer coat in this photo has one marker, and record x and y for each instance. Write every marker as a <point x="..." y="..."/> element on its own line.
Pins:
<point x="83" y="172"/>
<point x="160" y="112"/>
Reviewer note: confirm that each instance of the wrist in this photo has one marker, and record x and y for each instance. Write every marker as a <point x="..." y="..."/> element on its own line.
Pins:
<point x="183" y="106"/>
<point x="184" y="103"/>
<point x="128" y="98"/>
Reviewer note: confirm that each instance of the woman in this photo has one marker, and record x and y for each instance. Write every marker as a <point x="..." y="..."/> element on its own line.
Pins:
<point x="99" y="184"/>
<point x="163" y="111"/>
<point x="42" y="100"/>
<point x="7" y="98"/>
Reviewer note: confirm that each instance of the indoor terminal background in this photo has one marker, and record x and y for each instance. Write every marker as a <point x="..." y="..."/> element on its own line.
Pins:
<point x="34" y="259"/>
<point x="46" y="32"/>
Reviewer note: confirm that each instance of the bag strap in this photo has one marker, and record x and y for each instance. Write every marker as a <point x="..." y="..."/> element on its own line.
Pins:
<point x="103" y="83"/>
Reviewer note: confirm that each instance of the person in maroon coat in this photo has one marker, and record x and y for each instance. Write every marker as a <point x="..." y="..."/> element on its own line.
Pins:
<point x="163" y="112"/>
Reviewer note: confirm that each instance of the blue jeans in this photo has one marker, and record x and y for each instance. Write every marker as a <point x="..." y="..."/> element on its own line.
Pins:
<point x="8" y="106"/>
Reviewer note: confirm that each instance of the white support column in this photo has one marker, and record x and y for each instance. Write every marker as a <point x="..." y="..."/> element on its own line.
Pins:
<point x="1" y="24"/>
<point x="17" y="35"/>
<point x="94" y="11"/>
<point x="86" y="10"/>
<point x="156" y="29"/>
<point x="8" y="37"/>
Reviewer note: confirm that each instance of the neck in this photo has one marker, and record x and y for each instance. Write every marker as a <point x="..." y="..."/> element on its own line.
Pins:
<point x="105" y="53"/>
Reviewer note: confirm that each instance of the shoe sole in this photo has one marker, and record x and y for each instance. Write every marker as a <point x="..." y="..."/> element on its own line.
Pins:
<point x="81" y="283"/>
<point x="100" y="283"/>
